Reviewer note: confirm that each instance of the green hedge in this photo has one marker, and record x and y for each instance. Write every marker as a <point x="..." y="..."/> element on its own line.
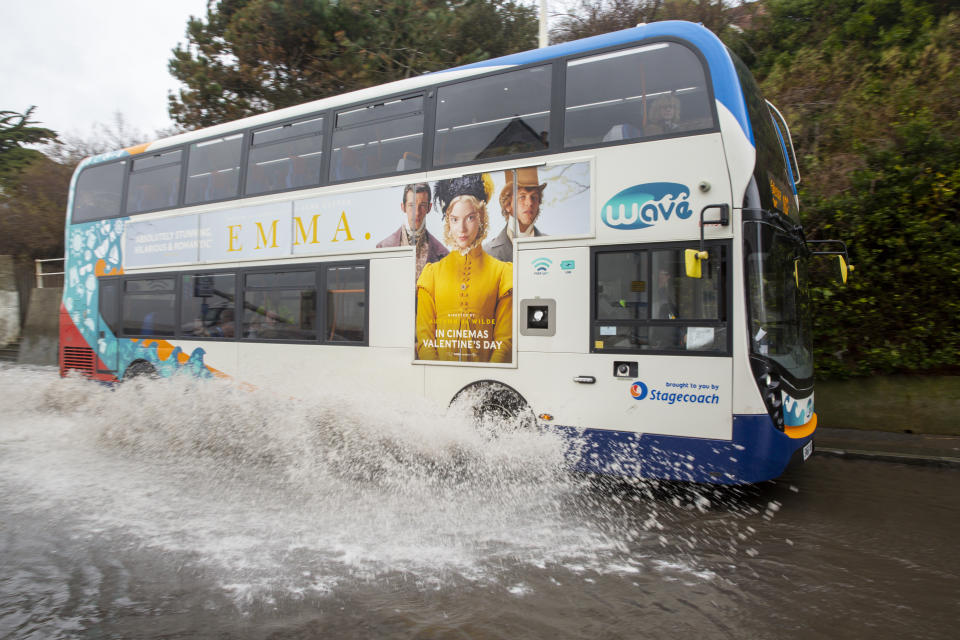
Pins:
<point x="900" y="311"/>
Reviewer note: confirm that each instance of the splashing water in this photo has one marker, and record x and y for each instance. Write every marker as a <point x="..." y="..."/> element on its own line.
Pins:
<point x="275" y="493"/>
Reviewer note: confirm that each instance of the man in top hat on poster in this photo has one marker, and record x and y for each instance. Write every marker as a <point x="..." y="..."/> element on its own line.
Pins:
<point x="529" y="198"/>
<point x="415" y="206"/>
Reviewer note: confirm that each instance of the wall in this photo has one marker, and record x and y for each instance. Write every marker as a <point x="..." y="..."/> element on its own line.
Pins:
<point x="9" y="303"/>
<point x="41" y="331"/>
<point x="921" y="404"/>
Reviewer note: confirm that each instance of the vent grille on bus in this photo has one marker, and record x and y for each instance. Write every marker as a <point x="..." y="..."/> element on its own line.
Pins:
<point x="79" y="359"/>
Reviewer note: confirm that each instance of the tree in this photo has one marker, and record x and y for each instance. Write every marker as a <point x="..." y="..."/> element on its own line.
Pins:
<point x="118" y="134"/>
<point x="33" y="205"/>
<point x="901" y="217"/>
<point x="252" y="56"/>
<point x="594" y="17"/>
<point x="846" y="73"/>
<point x="16" y="130"/>
<point x="872" y="91"/>
<point x="33" y="210"/>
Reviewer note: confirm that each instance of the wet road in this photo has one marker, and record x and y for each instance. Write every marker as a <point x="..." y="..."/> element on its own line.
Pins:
<point x="175" y="511"/>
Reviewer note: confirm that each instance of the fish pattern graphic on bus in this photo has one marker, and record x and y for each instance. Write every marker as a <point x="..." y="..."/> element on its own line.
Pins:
<point x="95" y="249"/>
<point x="797" y="411"/>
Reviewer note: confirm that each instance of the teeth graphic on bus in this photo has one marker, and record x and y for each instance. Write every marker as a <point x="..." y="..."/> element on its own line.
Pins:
<point x="644" y="205"/>
<point x="797" y="412"/>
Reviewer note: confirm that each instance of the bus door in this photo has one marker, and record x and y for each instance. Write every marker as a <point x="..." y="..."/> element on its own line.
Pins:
<point x="108" y="319"/>
<point x="660" y="340"/>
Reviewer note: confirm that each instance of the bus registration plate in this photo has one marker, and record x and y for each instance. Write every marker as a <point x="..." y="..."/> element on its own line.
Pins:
<point x="807" y="450"/>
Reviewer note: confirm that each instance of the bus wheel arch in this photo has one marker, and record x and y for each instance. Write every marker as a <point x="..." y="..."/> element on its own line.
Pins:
<point x="494" y="407"/>
<point x="140" y="369"/>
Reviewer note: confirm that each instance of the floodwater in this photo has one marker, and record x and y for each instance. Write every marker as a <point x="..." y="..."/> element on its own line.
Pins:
<point x="176" y="510"/>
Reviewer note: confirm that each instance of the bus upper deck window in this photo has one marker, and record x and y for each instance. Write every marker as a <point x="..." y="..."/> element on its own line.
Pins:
<point x="654" y="90"/>
<point x="377" y="139"/>
<point x="494" y="116"/>
<point x="154" y="182"/>
<point x="99" y="191"/>
<point x="213" y="170"/>
<point x="285" y="157"/>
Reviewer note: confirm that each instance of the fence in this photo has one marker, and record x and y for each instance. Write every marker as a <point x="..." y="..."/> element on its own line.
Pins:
<point x="53" y="278"/>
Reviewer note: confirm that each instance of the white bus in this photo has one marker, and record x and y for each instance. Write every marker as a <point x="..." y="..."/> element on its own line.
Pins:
<point x="601" y="237"/>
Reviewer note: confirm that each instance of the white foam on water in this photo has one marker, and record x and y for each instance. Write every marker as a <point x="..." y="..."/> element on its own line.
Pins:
<point x="271" y="493"/>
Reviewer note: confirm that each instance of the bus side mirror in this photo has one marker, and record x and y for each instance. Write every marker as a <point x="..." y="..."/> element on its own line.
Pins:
<point x="842" y="254"/>
<point x="693" y="259"/>
<point x="844" y="269"/>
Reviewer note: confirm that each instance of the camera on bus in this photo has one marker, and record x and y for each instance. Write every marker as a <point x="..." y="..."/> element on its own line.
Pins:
<point x="625" y="369"/>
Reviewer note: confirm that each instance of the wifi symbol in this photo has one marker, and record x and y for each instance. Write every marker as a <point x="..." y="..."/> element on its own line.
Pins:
<point x="542" y="264"/>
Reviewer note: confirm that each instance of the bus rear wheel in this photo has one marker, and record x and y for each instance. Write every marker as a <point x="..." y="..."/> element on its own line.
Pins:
<point x="495" y="408"/>
<point x="140" y="369"/>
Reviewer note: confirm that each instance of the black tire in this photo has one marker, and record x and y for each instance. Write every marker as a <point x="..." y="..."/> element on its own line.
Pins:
<point x="140" y="369"/>
<point x="495" y="408"/>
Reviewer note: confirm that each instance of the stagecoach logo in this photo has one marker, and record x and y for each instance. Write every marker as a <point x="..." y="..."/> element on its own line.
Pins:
<point x="644" y="205"/>
<point x="638" y="390"/>
<point x="674" y="393"/>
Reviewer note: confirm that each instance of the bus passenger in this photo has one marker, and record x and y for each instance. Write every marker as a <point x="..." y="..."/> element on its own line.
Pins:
<point x="665" y="308"/>
<point x="464" y="301"/>
<point x="529" y="199"/>
<point x="664" y="116"/>
<point x="224" y="327"/>
<point x="415" y="206"/>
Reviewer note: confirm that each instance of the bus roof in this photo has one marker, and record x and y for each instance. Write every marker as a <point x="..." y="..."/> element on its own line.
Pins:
<point x="726" y="85"/>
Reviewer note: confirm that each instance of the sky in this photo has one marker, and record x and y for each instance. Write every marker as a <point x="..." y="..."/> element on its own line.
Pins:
<point x="80" y="62"/>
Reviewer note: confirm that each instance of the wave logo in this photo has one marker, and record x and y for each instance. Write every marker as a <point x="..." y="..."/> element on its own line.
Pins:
<point x="644" y="205"/>
<point x="638" y="390"/>
<point x="542" y="264"/>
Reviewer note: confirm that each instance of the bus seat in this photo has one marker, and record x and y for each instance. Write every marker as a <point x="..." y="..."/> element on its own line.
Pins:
<point x="621" y="132"/>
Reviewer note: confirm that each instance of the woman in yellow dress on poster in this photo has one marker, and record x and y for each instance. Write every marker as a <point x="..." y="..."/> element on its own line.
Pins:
<point x="465" y="301"/>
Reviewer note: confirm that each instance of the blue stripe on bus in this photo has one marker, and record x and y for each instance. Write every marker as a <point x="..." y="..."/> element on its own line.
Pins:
<point x="726" y="85"/>
<point x="756" y="452"/>
<point x="786" y="155"/>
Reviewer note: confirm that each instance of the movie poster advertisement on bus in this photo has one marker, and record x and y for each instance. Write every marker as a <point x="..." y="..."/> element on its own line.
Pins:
<point x="361" y="221"/>
<point x="464" y="229"/>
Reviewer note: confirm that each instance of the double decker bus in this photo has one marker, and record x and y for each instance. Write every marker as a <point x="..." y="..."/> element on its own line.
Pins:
<point x="600" y="237"/>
